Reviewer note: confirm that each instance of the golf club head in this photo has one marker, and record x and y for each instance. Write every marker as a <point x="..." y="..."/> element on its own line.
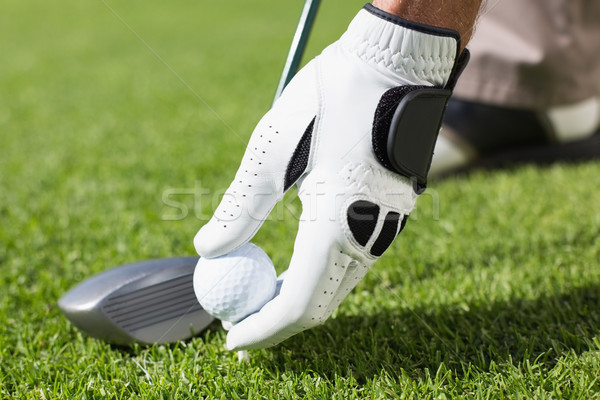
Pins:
<point x="145" y="302"/>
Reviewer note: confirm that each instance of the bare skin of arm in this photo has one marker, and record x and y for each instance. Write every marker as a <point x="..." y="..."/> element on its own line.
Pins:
<point x="459" y="15"/>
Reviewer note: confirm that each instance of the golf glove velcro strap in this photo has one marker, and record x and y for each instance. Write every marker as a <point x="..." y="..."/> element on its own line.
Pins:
<point x="407" y="123"/>
<point x="404" y="138"/>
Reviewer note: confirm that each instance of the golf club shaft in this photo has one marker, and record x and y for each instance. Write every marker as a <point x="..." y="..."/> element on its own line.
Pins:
<point x="307" y="18"/>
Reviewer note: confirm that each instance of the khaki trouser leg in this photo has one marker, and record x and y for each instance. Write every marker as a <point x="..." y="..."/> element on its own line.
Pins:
<point x="534" y="53"/>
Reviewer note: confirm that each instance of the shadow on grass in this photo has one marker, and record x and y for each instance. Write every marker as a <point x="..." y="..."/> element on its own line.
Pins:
<point x="134" y="350"/>
<point x="463" y="338"/>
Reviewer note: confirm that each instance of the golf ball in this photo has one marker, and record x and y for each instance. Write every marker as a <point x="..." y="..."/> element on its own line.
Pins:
<point x="235" y="285"/>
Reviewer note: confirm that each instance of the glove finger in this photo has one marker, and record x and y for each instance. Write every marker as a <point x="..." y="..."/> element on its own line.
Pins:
<point x="244" y="206"/>
<point x="316" y="270"/>
<point x="355" y="272"/>
<point x="276" y="156"/>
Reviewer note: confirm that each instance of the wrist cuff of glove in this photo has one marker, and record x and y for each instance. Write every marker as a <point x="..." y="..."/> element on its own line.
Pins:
<point x="409" y="52"/>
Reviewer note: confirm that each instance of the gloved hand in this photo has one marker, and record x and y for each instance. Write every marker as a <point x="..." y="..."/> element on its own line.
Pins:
<point x="328" y="134"/>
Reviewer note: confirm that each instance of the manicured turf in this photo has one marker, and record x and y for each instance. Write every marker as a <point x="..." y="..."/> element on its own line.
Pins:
<point x="492" y="291"/>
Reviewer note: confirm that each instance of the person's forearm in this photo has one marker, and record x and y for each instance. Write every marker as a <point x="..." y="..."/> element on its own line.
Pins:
<point x="459" y="15"/>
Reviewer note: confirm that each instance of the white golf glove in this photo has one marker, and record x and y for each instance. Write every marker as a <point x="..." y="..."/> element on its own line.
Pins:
<point x="354" y="135"/>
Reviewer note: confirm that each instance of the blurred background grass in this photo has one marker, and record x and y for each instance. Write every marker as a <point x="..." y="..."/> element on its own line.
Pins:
<point x="107" y="107"/>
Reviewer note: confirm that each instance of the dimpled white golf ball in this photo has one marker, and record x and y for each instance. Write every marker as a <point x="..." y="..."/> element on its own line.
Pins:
<point x="235" y="285"/>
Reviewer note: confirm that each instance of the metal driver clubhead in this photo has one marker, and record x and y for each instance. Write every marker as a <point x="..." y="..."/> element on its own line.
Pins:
<point x="145" y="302"/>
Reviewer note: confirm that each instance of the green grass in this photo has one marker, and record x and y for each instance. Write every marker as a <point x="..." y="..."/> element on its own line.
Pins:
<point x="493" y="290"/>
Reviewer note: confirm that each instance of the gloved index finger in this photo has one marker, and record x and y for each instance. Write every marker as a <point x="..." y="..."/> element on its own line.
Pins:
<point x="276" y="156"/>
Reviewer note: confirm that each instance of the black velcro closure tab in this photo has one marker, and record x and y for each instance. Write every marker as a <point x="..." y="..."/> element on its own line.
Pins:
<point x="383" y="120"/>
<point x="362" y="218"/>
<point x="413" y="132"/>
